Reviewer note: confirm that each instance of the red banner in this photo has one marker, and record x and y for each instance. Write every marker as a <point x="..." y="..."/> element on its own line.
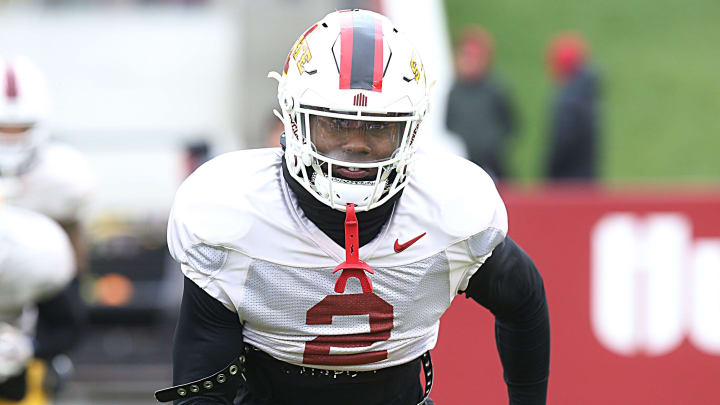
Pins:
<point x="633" y="285"/>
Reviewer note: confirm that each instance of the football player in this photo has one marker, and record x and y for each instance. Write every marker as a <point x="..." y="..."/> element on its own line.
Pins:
<point x="318" y="273"/>
<point x="45" y="176"/>
<point x="36" y="265"/>
<point x="36" y="173"/>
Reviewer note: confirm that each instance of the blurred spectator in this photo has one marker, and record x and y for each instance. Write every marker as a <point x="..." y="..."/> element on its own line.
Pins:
<point x="195" y="154"/>
<point x="574" y="121"/>
<point x="479" y="108"/>
<point x="46" y="177"/>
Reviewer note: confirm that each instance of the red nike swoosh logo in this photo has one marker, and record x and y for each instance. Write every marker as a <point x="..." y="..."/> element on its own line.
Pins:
<point x="399" y="247"/>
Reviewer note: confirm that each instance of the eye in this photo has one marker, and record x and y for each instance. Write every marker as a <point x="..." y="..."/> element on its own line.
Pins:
<point x="331" y="123"/>
<point x="339" y="123"/>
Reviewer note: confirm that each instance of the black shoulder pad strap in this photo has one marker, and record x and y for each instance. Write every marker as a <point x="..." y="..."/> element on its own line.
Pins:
<point x="232" y="373"/>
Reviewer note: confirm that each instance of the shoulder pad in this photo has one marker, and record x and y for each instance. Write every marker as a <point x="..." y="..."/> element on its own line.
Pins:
<point x="460" y="193"/>
<point x="219" y="201"/>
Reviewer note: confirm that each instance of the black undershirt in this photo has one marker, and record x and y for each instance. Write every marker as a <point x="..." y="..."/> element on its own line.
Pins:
<point x="208" y="335"/>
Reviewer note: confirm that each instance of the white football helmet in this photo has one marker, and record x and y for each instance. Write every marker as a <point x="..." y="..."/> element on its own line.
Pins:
<point x="353" y="93"/>
<point x="24" y="105"/>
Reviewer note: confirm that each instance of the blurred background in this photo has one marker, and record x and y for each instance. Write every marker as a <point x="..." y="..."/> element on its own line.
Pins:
<point x="598" y="120"/>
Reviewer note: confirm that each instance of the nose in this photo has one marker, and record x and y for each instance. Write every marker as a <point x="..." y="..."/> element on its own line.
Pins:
<point x="356" y="143"/>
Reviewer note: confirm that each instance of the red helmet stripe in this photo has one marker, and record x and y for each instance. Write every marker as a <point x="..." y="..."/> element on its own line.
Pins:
<point x="11" y="87"/>
<point x="378" y="68"/>
<point x="346" y="49"/>
<point x="361" y="52"/>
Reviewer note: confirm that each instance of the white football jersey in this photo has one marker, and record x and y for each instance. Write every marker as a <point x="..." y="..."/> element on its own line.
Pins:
<point x="238" y="233"/>
<point x="36" y="260"/>
<point x="58" y="184"/>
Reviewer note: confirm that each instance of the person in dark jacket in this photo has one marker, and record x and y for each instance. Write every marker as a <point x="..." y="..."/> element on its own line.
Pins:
<point x="574" y="127"/>
<point x="479" y="107"/>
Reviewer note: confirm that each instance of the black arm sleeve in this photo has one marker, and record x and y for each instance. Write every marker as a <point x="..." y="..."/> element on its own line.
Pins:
<point x="510" y="286"/>
<point x="61" y="322"/>
<point x="208" y="336"/>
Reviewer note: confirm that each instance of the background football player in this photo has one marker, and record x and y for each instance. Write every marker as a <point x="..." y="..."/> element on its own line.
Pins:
<point x="322" y="269"/>
<point x="42" y="175"/>
<point x="36" y="265"/>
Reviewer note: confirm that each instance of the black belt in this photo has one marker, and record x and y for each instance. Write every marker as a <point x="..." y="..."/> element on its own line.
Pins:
<point x="234" y="374"/>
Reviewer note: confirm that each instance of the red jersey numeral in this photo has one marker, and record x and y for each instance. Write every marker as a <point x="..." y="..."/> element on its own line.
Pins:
<point x="317" y="351"/>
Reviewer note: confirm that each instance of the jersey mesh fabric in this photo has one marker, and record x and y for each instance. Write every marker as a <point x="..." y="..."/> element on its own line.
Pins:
<point x="206" y="259"/>
<point x="277" y="299"/>
<point x="484" y="242"/>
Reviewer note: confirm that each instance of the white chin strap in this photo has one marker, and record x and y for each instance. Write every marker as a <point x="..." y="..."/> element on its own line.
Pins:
<point x="346" y="191"/>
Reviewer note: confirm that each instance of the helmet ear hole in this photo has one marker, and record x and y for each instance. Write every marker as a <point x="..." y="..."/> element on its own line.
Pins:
<point x="288" y="103"/>
<point x="292" y="163"/>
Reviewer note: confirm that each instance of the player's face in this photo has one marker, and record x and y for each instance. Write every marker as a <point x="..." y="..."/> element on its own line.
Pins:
<point x="355" y="141"/>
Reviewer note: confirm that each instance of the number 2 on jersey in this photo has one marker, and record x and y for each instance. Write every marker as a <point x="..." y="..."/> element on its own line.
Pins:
<point x="380" y="314"/>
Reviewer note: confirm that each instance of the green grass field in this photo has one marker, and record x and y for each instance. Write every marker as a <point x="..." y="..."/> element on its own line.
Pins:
<point x="660" y="65"/>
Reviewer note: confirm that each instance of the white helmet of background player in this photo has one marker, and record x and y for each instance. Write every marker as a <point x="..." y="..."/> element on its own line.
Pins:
<point x="24" y="104"/>
<point x="353" y="74"/>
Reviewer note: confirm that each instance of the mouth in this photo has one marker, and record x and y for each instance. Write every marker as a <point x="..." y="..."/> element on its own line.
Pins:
<point x="354" y="173"/>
